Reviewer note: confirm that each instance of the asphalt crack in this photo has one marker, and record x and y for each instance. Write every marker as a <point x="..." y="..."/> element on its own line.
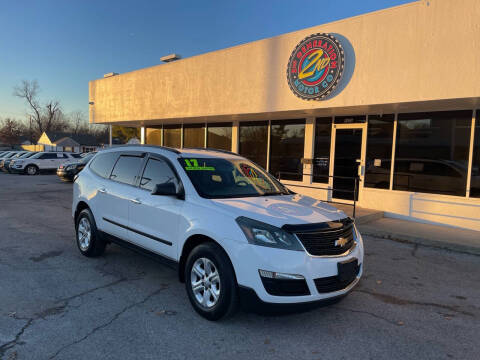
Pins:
<point x="60" y="306"/>
<point x="389" y="299"/>
<point x="109" y="322"/>
<point x="11" y="344"/>
<point x="368" y="313"/>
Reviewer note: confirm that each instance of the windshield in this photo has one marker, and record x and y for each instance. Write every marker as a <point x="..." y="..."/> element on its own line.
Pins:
<point x="230" y="178"/>
<point x="86" y="158"/>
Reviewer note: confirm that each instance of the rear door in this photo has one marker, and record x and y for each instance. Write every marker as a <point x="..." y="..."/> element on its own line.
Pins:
<point x="47" y="161"/>
<point x="154" y="219"/>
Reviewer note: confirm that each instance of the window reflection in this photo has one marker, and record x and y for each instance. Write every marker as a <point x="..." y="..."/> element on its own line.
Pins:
<point x="154" y="135"/>
<point x="287" y="142"/>
<point x="253" y="141"/>
<point x="432" y="152"/>
<point x="172" y="136"/>
<point x="194" y="136"/>
<point x="219" y="136"/>
<point x="321" y="161"/>
<point x="125" y="135"/>
<point x="379" y="151"/>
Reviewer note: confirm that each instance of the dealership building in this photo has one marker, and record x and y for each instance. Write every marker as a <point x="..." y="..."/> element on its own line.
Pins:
<point x="390" y="98"/>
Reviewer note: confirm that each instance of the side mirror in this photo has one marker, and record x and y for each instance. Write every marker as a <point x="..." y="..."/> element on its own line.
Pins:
<point x="167" y="189"/>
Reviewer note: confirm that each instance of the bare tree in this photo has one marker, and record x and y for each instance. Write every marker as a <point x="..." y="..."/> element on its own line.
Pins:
<point x="46" y="118"/>
<point x="78" y="122"/>
<point x="28" y="90"/>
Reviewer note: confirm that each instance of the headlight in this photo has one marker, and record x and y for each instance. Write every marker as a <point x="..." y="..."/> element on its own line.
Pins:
<point x="70" y="167"/>
<point x="262" y="234"/>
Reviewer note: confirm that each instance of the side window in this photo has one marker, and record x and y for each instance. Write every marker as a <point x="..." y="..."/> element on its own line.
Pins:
<point x="102" y="164"/>
<point x="48" y="156"/>
<point x="156" y="172"/>
<point x="126" y="169"/>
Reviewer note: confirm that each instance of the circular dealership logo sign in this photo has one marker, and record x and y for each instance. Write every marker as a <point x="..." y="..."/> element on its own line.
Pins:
<point x="315" y="66"/>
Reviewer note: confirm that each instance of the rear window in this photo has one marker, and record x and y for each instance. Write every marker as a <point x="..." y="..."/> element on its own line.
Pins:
<point x="126" y="169"/>
<point x="102" y="164"/>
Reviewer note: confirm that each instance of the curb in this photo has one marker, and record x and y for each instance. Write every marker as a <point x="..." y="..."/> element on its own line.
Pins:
<point x="410" y="239"/>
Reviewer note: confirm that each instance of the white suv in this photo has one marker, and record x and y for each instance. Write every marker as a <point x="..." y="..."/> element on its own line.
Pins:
<point x="41" y="161"/>
<point x="230" y="228"/>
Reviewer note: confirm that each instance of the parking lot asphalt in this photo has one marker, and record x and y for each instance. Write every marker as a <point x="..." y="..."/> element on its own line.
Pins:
<point x="413" y="302"/>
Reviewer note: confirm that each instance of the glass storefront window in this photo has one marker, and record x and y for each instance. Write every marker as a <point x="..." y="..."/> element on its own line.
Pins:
<point x="475" y="178"/>
<point x="287" y="142"/>
<point x="154" y="135"/>
<point x="253" y="141"/>
<point x="172" y="136"/>
<point x="432" y="151"/>
<point x="321" y="160"/>
<point x="379" y="151"/>
<point x="219" y="136"/>
<point x="194" y="136"/>
<point x="125" y="135"/>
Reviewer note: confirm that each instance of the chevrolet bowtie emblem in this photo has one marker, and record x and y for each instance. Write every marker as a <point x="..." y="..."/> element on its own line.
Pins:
<point x="341" y="242"/>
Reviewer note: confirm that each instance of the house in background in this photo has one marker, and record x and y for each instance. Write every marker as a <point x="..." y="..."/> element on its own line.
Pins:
<point x="59" y="141"/>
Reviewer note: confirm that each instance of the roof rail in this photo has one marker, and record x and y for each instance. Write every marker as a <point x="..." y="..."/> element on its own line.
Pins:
<point x="146" y="145"/>
<point x="211" y="149"/>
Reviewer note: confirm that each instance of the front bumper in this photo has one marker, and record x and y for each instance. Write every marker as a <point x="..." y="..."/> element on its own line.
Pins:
<point x="17" y="169"/>
<point x="65" y="175"/>
<point x="251" y="258"/>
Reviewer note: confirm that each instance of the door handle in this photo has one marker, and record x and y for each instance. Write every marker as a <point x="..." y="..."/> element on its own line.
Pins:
<point x="136" y="201"/>
<point x="102" y="190"/>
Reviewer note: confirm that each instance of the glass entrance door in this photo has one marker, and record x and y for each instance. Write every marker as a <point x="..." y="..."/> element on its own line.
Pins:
<point x="348" y="160"/>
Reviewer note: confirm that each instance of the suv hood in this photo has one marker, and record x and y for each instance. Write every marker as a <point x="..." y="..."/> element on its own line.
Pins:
<point x="281" y="210"/>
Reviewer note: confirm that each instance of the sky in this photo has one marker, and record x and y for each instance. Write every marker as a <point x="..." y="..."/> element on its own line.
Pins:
<point x="65" y="43"/>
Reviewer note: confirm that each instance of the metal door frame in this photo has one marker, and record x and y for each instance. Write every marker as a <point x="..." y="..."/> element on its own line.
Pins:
<point x="359" y="126"/>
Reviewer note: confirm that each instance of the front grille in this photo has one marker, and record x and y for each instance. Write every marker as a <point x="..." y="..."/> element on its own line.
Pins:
<point x="325" y="238"/>
<point x="333" y="283"/>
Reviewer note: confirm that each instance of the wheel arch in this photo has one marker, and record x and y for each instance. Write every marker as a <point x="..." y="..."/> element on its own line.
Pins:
<point x="82" y="205"/>
<point x="192" y="242"/>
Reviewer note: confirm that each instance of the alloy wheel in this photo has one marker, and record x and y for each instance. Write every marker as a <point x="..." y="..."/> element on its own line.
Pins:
<point x="205" y="282"/>
<point x="84" y="234"/>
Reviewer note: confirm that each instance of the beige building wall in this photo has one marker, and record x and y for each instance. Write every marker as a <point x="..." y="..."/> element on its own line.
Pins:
<point x="419" y="52"/>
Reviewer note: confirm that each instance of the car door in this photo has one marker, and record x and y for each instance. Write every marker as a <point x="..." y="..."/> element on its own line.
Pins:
<point x="116" y="193"/>
<point x="47" y="161"/>
<point x="154" y="219"/>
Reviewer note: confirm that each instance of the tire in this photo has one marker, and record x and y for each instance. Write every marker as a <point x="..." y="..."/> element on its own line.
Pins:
<point x="31" y="170"/>
<point x="88" y="239"/>
<point x="205" y="256"/>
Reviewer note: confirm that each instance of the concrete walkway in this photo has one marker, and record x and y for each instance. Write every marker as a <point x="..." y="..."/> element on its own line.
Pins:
<point x="466" y="241"/>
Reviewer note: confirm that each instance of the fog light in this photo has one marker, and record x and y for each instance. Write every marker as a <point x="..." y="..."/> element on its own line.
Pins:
<point x="277" y="275"/>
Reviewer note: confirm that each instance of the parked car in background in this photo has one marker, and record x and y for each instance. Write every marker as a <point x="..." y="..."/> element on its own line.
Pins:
<point x="8" y="164"/>
<point x="40" y="162"/>
<point x="68" y="170"/>
<point x="8" y="156"/>
<point x="232" y="230"/>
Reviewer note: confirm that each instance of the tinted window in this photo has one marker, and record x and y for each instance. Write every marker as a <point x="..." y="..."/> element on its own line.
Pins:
<point x="126" y="169"/>
<point x="253" y="141"/>
<point x="219" y="136"/>
<point x="321" y="160"/>
<point x="125" y="135"/>
<point x="156" y="172"/>
<point x="194" y="136"/>
<point x="103" y="163"/>
<point x="432" y="152"/>
<point x="48" y="156"/>
<point x="154" y="136"/>
<point x="172" y="136"/>
<point x="76" y="156"/>
<point x="287" y="142"/>
<point x="379" y="151"/>
<point x="475" y="179"/>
